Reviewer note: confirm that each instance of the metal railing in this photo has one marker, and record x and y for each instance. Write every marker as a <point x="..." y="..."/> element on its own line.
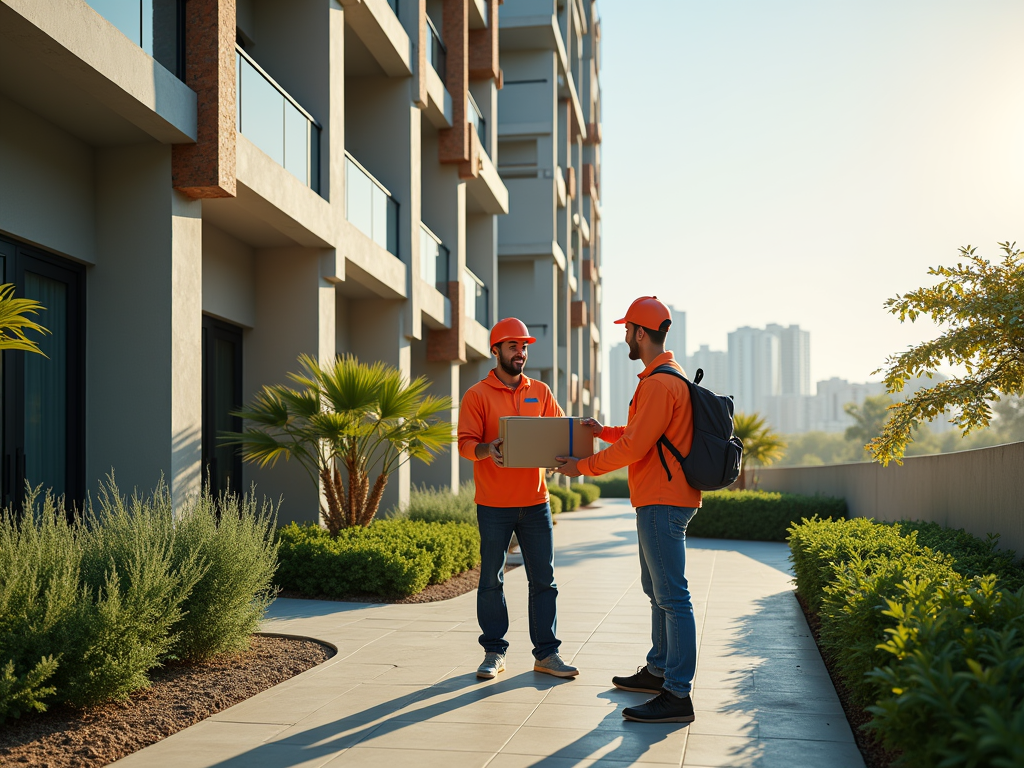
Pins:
<point x="434" y="260"/>
<point x="478" y="298"/>
<point x="156" y="26"/>
<point x="275" y="122"/>
<point x="437" y="51"/>
<point x="369" y="206"/>
<point x="476" y="117"/>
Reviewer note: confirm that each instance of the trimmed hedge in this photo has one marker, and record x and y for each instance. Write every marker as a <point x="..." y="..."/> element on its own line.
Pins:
<point x="588" y="491"/>
<point x="971" y="555"/>
<point x="556" y="504"/>
<point x="758" y="515"/>
<point x="612" y="486"/>
<point x="440" y="505"/>
<point x="87" y="608"/>
<point x="937" y="651"/>
<point x="391" y="558"/>
<point x="570" y="499"/>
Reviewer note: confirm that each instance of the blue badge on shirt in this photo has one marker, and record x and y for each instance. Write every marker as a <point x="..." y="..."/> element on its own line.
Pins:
<point x="531" y="400"/>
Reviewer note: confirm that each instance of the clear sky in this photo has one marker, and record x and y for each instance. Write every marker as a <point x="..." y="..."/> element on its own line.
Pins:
<point x="800" y="161"/>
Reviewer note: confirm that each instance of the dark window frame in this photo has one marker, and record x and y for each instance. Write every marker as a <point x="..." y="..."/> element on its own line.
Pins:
<point x="219" y="329"/>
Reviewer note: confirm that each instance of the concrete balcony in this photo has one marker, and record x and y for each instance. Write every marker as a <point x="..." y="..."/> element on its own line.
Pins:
<point x="376" y="24"/>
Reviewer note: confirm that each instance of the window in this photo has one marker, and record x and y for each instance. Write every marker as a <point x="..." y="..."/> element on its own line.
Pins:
<point x="43" y="403"/>
<point x="222" y="394"/>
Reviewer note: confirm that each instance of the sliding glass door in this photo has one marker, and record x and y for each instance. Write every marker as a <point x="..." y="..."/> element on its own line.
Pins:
<point x="43" y="423"/>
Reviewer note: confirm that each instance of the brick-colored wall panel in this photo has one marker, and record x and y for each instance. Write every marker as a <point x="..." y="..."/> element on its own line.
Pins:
<point x="579" y="317"/>
<point x="454" y="143"/>
<point x="207" y="168"/>
<point x="483" y="48"/>
<point x="449" y="344"/>
<point x="570" y="182"/>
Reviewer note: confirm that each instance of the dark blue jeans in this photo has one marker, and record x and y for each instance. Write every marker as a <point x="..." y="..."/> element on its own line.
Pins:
<point x="662" y="532"/>
<point x="532" y="527"/>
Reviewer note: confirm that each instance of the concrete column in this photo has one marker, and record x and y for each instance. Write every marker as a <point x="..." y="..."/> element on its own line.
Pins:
<point x="445" y="381"/>
<point x="144" y="326"/>
<point x="295" y="314"/>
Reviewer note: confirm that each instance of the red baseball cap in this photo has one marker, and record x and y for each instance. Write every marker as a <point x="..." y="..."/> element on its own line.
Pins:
<point x="648" y="312"/>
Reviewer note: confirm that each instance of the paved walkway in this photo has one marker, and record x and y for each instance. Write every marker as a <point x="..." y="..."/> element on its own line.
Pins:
<point x="402" y="691"/>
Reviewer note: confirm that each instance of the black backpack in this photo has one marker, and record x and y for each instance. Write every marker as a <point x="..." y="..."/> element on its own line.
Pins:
<point x="714" y="458"/>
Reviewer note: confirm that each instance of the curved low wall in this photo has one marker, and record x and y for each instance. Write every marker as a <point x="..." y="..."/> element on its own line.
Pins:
<point x="981" y="491"/>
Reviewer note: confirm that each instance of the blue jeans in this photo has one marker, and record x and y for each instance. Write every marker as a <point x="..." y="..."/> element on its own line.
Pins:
<point x="662" y="532"/>
<point x="532" y="527"/>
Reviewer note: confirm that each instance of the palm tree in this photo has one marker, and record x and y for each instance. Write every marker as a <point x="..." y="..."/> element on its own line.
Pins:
<point x="364" y="418"/>
<point x="14" y="321"/>
<point x="761" y="446"/>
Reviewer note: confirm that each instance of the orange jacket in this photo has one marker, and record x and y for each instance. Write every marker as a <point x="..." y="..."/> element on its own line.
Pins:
<point x="483" y="404"/>
<point x="661" y="406"/>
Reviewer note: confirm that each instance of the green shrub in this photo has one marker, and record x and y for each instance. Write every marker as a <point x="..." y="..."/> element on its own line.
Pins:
<point x="971" y="556"/>
<point x="234" y="541"/>
<point x="955" y="682"/>
<point x="612" y="486"/>
<point x="758" y="515"/>
<point x="440" y="505"/>
<point x="388" y="557"/>
<point x="88" y="608"/>
<point x="588" y="492"/>
<point x="556" y="504"/>
<point x="570" y="499"/>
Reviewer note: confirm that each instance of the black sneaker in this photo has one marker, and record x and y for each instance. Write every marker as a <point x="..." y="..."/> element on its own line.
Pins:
<point x="664" y="708"/>
<point x="644" y="681"/>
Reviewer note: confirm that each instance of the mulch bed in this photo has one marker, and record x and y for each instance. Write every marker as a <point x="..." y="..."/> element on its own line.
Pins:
<point x="465" y="582"/>
<point x="874" y="753"/>
<point x="181" y="695"/>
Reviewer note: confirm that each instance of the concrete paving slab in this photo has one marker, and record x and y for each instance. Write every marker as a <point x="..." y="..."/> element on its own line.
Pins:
<point x="403" y="688"/>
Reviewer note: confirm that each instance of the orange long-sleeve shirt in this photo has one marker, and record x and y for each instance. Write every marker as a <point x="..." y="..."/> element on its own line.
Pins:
<point x="660" y="406"/>
<point x="483" y="404"/>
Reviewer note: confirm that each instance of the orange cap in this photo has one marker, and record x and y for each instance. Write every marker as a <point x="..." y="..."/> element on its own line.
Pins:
<point x="510" y="328"/>
<point x="648" y="312"/>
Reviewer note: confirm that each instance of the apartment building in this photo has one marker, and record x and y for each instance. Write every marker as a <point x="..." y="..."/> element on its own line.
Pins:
<point x="201" y="191"/>
<point x="549" y="138"/>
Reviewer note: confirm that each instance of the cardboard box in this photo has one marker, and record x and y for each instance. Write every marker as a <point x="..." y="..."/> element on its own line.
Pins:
<point x="534" y="441"/>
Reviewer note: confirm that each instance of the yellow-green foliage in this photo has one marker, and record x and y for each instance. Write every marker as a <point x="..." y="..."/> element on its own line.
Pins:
<point x="570" y="499"/>
<point x="588" y="492"/>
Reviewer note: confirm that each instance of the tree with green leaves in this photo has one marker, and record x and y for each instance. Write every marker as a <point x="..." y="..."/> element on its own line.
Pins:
<point x="363" y="418"/>
<point x="981" y="305"/>
<point x="761" y="445"/>
<point x="15" y="321"/>
<point x="869" y="418"/>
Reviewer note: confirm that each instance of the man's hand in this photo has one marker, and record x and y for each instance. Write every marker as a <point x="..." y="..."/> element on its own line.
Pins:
<point x="594" y="424"/>
<point x="568" y="466"/>
<point x="492" y="449"/>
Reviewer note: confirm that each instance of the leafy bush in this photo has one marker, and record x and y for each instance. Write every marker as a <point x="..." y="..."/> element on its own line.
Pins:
<point x="612" y="486"/>
<point x="234" y="540"/>
<point x="388" y="557"/>
<point x="588" y="492"/>
<point x="87" y="608"/>
<point x="440" y="505"/>
<point x="758" y="515"/>
<point x="570" y="499"/>
<point x="954" y="686"/>
<point x="556" y="505"/>
<point x="971" y="556"/>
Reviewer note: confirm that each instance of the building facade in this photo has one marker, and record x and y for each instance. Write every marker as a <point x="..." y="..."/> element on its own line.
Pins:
<point x="199" y="192"/>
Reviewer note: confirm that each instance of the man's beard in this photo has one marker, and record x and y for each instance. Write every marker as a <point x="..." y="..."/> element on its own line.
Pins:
<point x="634" y="349"/>
<point x="510" y="367"/>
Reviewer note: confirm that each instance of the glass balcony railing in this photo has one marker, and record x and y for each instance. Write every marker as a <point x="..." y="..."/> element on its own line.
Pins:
<point x="156" y="26"/>
<point x="437" y="53"/>
<point x="369" y="206"/>
<point x="476" y="117"/>
<point x="434" y="256"/>
<point x="274" y="121"/>
<point x="478" y="298"/>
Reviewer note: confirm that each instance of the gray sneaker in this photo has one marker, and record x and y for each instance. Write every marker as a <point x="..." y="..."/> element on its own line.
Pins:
<point x="492" y="664"/>
<point x="553" y="665"/>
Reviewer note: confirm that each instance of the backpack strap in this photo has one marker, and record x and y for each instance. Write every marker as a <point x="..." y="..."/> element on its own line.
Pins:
<point x="664" y="442"/>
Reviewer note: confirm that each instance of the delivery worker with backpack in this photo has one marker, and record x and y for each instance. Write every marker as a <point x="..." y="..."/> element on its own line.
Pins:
<point x="511" y="500"/>
<point x="664" y="502"/>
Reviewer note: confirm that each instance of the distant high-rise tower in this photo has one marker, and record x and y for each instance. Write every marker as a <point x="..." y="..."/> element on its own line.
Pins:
<point x="754" y="370"/>
<point x="715" y="365"/>
<point x="794" y="359"/>
<point x="622" y="382"/>
<point x="677" y="336"/>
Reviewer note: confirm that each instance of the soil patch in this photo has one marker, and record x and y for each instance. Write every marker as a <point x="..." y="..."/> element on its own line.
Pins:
<point x="874" y="753"/>
<point x="181" y="695"/>
<point x="465" y="582"/>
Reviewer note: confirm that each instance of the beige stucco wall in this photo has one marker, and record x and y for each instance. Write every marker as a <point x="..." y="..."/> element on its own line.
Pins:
<point x="981" y="491"/>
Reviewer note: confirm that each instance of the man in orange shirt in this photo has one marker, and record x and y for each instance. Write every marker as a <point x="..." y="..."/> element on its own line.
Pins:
<point x="511" y="501"/>
<point x="664" y="504"/>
